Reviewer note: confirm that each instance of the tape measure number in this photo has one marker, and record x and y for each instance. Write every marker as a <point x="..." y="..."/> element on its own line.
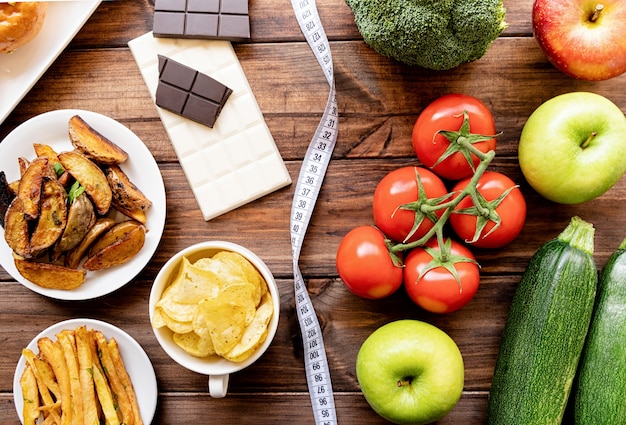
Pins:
<point x="308" y="185"/>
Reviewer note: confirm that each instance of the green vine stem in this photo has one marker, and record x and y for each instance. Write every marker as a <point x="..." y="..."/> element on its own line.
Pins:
<point x="463" y="143"/>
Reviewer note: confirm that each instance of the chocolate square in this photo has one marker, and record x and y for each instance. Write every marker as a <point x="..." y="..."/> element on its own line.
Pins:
<point x="190" y="93"/>
<point x="203" y="19"/>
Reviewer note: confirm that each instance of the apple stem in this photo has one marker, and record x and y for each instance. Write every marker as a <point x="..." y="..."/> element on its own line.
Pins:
<point x="596" y="13"/>
<point x="404" y="382"/>
<point x="589" y="139"/>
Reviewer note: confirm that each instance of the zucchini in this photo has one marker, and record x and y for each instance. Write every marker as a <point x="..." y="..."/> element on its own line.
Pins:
<point x="600" y="389"/>
<point x="545" y="331"/>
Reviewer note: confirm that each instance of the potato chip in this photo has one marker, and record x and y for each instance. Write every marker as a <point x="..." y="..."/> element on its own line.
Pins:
<point x="160" y="319"/>
<point x="225" y="322"/>
<point x="194" y="344"/>
<point x="239" y="264"/>
<point x="255" y="333"/>
<point x="219" y="305"/>
<point x="192" y="284"/>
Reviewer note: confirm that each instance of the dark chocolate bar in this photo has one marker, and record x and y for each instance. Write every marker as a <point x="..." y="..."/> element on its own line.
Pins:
<point x="190" y="93"/>
<point x="204" y="19"/>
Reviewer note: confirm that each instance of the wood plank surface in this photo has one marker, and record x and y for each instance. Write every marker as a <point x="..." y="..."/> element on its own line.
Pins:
<point x="379" y="100"/>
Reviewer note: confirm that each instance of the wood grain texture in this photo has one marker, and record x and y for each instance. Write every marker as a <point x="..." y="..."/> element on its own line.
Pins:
<point x="379" y="100"/>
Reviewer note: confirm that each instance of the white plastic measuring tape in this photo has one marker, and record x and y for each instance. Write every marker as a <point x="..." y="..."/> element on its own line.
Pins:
<point x="307" y="190"/>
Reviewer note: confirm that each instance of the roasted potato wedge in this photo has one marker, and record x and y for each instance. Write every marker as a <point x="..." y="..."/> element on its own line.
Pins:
<point x="94" y="145"/>
<point x="29" y="189"/>
<point x="127" y="198"/>
<point x="48" y="152"/>
<point x="117" y="246"/>
<point x="91" y="177"/>
<point x="16" y="232"/>
<point x="81" y="218"/>
<point x="23" y="164"/>
<point x="52" y="216"/>
<point x="75" y="255"/>
<point x="48" y="275"/>
<point x="6" y="196"/>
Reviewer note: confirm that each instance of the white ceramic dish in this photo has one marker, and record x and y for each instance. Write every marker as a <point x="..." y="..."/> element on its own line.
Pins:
<point x="136" y="361"/>
<point x="142" y="169"/>
<point x="20" y="70"/>
<point x="218" y="369"/>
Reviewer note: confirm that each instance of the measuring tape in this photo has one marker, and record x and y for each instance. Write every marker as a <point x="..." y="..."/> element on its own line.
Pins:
<point x="307" y="190"/>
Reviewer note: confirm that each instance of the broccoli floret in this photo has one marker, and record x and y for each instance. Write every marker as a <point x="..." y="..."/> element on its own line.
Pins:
<point x="434" y="34"/>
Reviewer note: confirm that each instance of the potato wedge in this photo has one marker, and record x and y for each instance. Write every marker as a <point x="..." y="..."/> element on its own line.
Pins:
<point x="126" y="196"/>
<point x="52" y="216"/>
<point x="81" y="217"/>
<point x="49" y="275"/>
<point x="94" y="145"/>
<point x="23" y="164"/>
<point x="6" y="196"/>
<point x="48" y="152"/>
<point x="91" y="177"/>
<point x="43" y="150"/>
<point x="75" y="255"/>
<point x="16" y="229"/>
<point x="117" y="246"/>
<point x="29" y="189"/>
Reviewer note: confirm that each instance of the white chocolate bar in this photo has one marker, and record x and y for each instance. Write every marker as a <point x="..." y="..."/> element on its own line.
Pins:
<point x="237" y="160"/>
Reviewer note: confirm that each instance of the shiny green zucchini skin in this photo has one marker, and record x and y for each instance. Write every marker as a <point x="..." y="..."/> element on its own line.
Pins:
<point x="545" y="331"/>
<point x="600" y="389"/>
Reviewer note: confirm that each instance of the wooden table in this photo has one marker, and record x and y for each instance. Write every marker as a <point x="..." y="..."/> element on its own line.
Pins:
<point x="379" y="101"/>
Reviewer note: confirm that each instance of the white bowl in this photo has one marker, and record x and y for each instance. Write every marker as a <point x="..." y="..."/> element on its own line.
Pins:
<point x="217" y="368"/>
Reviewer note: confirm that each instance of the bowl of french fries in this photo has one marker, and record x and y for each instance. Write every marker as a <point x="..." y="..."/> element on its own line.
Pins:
<point x="84" y="371"/>
<point x="214" y="308"/>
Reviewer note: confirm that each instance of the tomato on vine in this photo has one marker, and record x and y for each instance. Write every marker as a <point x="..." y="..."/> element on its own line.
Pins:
<point x="441" y="277"/>
<point x="444" y="126"/>
<point x="404" y="201"/>
<point x="494" y="216"/>
<point x="366" y="266"/>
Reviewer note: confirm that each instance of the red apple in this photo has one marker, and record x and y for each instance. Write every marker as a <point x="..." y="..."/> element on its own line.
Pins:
<point x="582" y="38"/>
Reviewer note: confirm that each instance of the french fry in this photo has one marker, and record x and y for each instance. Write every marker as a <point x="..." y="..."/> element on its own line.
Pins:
<point x="43" y="375"/>
<point x="79" y="379"/>
<point x="68" y="346"/>
<point x="84" y="344"/>
<point x="117" y="387"/>
<point x="105" y="396"/>
<point x="116" y="356"/>
<point x="30" y="395"/>
<point x="53" y="354"/>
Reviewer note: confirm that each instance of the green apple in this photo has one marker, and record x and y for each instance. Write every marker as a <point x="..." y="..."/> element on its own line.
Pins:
<point x="572" y="148"/>
<point x="410" y="372"/>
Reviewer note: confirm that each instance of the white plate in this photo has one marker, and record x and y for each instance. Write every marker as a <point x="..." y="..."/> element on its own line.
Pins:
<point x="52" y="128"/>
<point x="135" y="359"/>
<point x="20" y="70"/>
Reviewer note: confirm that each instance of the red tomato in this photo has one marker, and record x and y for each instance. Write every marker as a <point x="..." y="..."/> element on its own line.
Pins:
<point x="446" y="113"/>
<point x="399" y="187"/>
<point x="511" y="210"/>
<point x="437" y="290"/>
<point x="365" y="264"/>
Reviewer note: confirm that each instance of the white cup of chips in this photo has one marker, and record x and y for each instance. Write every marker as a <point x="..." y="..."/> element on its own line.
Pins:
<point x="214" y="308"/>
